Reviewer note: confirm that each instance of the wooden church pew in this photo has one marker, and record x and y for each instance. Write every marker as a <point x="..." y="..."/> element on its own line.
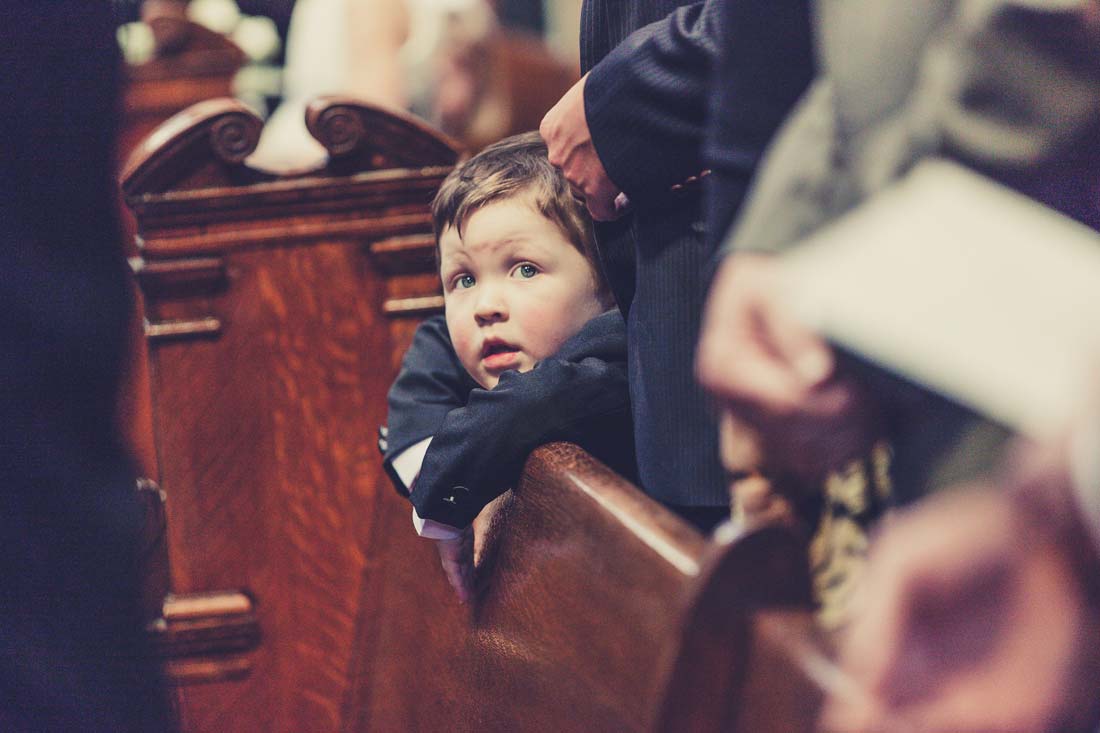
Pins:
<point x="595" y="610"/>
<point x="278" y="309"/>
<point x="271" y="345"/>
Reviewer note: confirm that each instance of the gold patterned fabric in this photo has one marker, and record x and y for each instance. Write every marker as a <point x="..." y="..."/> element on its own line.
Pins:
<point x="852" y="500"/>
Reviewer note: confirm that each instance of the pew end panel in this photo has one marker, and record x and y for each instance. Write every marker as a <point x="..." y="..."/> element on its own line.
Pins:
<point x="271" y="352"/>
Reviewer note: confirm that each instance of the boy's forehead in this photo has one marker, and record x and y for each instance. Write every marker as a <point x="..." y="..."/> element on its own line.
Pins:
<point x="451" y="244"/>
<point x="499" y="225"/>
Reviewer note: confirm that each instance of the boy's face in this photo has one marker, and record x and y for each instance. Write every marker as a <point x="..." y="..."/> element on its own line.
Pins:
<point x="515" y="289"/>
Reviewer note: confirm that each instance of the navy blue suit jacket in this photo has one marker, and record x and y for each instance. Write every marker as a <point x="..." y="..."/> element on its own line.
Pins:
<point x="481" y="438"/>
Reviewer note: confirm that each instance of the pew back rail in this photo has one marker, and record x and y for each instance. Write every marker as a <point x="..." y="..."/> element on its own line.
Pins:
<point x="596" y="609"/>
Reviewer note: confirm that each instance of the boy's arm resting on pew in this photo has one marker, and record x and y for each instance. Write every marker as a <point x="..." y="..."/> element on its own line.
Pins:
<point x="480" y="449"/>
<point x="431" y="383"/>
<point x="579" y="395"/>
<point x="443" y="429"/>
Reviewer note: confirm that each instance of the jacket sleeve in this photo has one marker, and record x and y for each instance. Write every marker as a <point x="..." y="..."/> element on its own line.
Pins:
<point x="645" y="102"/>
<point x="431" y="383"/>
<point x="765" y="65"/>
<point x="479" y="450"/>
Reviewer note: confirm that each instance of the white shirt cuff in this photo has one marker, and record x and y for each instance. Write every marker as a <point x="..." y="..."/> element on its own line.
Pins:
<point x="407" y="463"/>
<point x="432" y="530"/>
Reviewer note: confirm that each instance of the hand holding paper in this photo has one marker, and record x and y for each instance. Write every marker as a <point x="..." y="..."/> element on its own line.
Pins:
<point x="778" y="377"/>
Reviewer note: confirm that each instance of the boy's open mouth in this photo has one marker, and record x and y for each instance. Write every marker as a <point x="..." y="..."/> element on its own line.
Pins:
<point x="492" y="348"/>
<point x="499" y="355"/>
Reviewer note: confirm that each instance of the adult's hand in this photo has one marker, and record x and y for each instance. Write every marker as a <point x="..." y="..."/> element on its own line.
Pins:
<point x="565" y="130"/>
<point x="971" y="619"/>
<point x="778" y="377"/>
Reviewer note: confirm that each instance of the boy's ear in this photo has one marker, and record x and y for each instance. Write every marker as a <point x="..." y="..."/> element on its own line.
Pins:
<point x="606" y="297"/>
<point x="604" y="294"/>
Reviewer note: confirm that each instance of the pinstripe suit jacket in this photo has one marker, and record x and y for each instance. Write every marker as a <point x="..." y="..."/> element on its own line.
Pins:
<point x="649" y="69"/>
<point x="648" y="65"/>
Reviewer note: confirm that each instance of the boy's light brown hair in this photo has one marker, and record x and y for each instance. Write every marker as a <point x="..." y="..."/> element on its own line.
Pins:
<point x="515" y="166"/>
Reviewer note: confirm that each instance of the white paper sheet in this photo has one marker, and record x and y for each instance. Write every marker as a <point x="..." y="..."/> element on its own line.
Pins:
<point x="963" y="286"/>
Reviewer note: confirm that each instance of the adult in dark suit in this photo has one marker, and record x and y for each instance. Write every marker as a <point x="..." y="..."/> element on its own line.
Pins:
<point x="629" y="138"/>
<point x="71" y="651"/>
<point x="765" y="63"/>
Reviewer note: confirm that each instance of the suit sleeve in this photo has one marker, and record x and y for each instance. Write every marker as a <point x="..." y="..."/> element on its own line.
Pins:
<point x="431" y="383"/>
<point x="765" y="65"/>
<point x="645" y="102"/>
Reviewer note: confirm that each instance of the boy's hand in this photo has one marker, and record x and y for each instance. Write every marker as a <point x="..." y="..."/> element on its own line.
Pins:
<point x="457" y="558"/>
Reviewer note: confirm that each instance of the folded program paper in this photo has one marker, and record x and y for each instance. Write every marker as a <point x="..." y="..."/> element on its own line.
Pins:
<point x="965" y="287"/>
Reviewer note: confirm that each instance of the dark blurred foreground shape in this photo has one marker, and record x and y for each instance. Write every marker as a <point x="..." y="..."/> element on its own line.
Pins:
<point x="71" y="655"/>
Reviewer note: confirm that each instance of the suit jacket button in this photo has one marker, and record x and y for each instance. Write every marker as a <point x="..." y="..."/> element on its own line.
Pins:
<point x="456" y="494"/>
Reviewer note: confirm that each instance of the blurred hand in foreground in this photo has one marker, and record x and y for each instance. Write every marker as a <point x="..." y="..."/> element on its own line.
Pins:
<point x="776" y="378"/>
<point x="973" y="614"/>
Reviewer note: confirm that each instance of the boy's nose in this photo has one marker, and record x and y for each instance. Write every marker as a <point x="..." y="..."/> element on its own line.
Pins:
<point x="491" y="304"/>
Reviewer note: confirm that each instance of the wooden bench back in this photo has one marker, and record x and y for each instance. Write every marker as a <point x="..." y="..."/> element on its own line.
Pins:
<point x="272" y="329"/>
<point x="596" y="609"/>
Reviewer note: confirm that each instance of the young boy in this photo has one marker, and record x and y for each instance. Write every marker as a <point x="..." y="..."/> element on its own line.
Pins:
<point x="531" y="348"/>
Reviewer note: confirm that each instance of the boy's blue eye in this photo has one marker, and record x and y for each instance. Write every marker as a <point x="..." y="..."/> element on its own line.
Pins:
<point x="527" y="271"/>
<point x="464" y="281"/>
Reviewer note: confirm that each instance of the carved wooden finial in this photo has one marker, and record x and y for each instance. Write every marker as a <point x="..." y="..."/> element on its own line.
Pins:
<point x="195" y="188"/>
<point x="208" y="144"/>
<point x="338" y="127"/>
<point x="363" y="136"/>
<point x="234" y="135"/>
<point x="196" y="148"/>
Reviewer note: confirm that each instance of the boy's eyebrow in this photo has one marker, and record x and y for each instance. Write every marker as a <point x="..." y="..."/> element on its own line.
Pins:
<point x="519" y="237"/>
<point x="447" y="264"/>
